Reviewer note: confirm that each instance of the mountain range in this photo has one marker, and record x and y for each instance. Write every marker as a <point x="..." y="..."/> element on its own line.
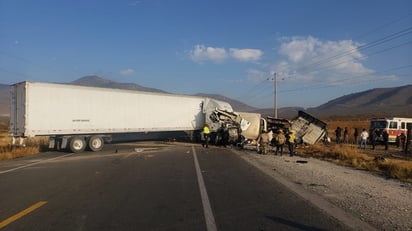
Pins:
<point x="378" y="102"/>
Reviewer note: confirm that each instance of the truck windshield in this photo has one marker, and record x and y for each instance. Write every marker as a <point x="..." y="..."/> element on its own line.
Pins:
<point x="378" y="124"/>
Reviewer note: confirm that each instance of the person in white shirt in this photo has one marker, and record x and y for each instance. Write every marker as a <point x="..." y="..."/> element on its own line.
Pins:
<point x="364" y="137"/>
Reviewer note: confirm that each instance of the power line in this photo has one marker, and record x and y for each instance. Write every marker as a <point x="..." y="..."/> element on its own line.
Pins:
<point x="319" y="65"/>
<point x="369" y="55"/>
<point x="312" y="66"/>
<point x="335" y="83"/>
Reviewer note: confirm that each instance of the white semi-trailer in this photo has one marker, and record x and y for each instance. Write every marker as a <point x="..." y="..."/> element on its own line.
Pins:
<point x="78" y="117"/>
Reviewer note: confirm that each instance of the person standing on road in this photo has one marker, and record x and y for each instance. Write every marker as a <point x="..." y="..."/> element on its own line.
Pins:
<point x="279" y="142"/>
<point x="356" y="136"/>
<point x="338" y="133"/>
<point x="345" y="136"/>
<point x="206" y="136"/>
<point x="385" y="137"/>
<point x="263" y="141"/>
<point x="402" y="141"/>
<point x="373" y="137"/>
<point x="364" y="137"/>
<point x="291" y="143"/>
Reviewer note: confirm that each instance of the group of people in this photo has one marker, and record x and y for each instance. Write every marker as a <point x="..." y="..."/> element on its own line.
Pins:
<point x="277" y="139"/>
<point x="363" y="137"/>
<point x="338" y="134"/>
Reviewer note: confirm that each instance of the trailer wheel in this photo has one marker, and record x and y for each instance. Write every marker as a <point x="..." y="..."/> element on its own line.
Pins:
<point x="77" y="144"/>
<point x="96" y="143"/>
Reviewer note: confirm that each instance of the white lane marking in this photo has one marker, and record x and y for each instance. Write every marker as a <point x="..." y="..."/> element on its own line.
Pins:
<point x="35" y="163"/>
<point x="207" y="209"/>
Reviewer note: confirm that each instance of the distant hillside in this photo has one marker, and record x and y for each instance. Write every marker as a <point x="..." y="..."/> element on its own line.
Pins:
<point x="394" y="101"/>
<point x="96" y="81"/>
<point x="285" y="112"/>
<point x="236" y="105"/>
<point x="4" y="100"/>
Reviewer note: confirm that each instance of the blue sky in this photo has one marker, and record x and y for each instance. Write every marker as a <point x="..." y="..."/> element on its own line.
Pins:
<point x="319" y="49"/>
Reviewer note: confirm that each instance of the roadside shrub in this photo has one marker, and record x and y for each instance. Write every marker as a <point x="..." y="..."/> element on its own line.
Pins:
<point x="350" y="155"/>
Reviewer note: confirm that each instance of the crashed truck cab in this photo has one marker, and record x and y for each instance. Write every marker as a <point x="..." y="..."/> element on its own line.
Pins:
<point x="229" y="127"/>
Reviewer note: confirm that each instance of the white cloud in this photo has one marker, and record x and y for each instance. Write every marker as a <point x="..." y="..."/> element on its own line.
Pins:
<point x="202" y="53"/>
<point x="128" y="71"/>
<point x="298" y="49"/>
<point x="246" y="54"/>
<point x="328" y="62"/>
<point x="135" y="3"/>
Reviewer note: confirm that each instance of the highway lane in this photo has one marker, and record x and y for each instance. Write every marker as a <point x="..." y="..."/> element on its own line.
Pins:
<point x="137" y="186"/>
<point x="244" y="198"/>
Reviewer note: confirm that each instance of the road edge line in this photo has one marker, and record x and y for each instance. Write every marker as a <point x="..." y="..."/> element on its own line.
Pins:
<point x="35" y="163"/>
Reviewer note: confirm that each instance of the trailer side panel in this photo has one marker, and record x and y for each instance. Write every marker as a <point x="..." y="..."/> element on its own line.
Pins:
<point x="61" y="109"/>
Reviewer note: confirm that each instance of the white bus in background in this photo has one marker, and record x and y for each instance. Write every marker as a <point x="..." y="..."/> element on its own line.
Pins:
<point x="394" y="125"/>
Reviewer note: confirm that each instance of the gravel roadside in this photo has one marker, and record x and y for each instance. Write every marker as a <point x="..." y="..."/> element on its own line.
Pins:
<point x="385" y="204"/>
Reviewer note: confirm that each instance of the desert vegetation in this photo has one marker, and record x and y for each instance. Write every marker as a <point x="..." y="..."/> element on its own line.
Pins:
<point x="392" y="163"/>
<point x="32" y="146"/>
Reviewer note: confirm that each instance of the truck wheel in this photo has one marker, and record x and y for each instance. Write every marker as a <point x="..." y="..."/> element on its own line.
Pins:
<point x="77" y="144"/>
<point x="96" y="143"/>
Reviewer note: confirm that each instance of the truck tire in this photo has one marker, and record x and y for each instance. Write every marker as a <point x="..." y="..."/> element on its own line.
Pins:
<point x="77" y="144"/>
<point x="96" y="143"/>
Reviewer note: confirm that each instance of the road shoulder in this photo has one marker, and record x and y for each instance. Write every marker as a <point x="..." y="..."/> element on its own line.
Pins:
<point x="357" y="198"/>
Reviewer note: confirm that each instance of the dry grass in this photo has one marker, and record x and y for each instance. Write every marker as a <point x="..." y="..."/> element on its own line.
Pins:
<point x="33" y="146"/>
<point x="392" y="163"/>
<point x="7" y="152"/>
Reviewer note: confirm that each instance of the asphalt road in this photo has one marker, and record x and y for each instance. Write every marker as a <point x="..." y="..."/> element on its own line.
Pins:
<point x="149" y="186"/>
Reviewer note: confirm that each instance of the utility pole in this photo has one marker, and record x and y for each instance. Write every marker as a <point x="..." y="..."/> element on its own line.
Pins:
<point x="275" y="83"/>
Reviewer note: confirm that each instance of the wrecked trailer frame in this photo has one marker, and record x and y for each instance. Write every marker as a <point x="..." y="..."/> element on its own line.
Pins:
<point x="277" y="123"/>
<point x="308" y="129"/>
